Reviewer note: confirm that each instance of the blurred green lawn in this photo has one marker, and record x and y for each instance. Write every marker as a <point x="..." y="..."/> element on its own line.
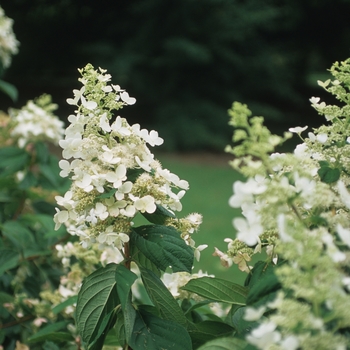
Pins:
<point x="211" y="180"/>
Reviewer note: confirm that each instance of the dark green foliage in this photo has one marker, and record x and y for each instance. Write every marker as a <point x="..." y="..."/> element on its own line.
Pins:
<point x="327" y="173"/>
<point x="159" y="216"/>
<point x="185" y="60"/>
<point x="96" y="304"/>
<point x="28" y="264"/>
<point x="261" y="282"/>
<point x="163" y="246"/>
<point x="166" y="305"/>
<point x="218" y="290"/>
<point x="152" y="333"/>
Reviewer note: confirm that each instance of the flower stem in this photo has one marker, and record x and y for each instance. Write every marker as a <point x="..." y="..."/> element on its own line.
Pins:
<point x="127" y="255"/>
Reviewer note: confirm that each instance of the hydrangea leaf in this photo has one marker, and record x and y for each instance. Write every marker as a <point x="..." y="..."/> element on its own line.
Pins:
<point x="108" y="194"/>
<point x="142" y="261"/>
<point x="19" y="235"/>
<point x="164" y="246"/>
<point x="242" y="326"/>
<point x="28" y="181"/>
<point x="153" y="333"/>
<point x="96" y="300"/>
<point x="328" y="174"/>
<point x="218" y="289"/>
<point x="225" y="344"/>
<point x="202" y="332"/>
<point x="41" y="152"/>
<point x="50" y="173"/>
<point x="118" y="329"/>
<point x="60" y="307"/>
<point x="264" y="286"/>
<point x="163" y="300"/>
<point x="8" y="260"/>
<point x="9" y="89"/>
<point x="52" y="332"/>
<point x="159" y="216"/>
<point x="125" y="279"/>
<point x="12" y="159"/>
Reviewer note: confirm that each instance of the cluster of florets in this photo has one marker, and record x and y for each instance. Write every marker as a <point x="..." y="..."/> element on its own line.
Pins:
<point x="8" y="42"/>
<point x="187" y="226"/>
<point x="297" y="206"/>
<point x="36" y="122"/>
<point x="115" y="175"/>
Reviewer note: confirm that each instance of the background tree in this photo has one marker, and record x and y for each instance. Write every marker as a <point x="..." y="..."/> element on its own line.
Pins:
<point x="186" y="60"/>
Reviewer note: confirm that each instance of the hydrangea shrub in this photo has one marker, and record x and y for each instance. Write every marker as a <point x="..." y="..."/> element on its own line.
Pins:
<point x="295" y="208"/>
<point x="93" y="278"/>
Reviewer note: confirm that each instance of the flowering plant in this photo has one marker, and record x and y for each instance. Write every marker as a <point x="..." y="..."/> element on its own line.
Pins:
<point x="115" y="178"/>
<point x="8" y="47"/>
<point x="29" y="179"/>
<point x="127" y="282"/>
<point x="296" y="208"/>
<point x="8" y="42"/>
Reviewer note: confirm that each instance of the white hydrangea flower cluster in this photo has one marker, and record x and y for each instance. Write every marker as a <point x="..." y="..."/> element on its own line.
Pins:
<point x="297" y="205"/>
<point x="36" y="122"/>
<point x="115" y="175"/>
<point x="8" y="42"/>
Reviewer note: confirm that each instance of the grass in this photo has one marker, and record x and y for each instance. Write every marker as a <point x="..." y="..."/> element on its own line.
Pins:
<point x="210" y="189"/>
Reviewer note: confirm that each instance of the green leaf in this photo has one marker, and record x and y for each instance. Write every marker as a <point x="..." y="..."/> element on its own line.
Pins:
<point x="53" y="336"/>
<point x="218" y="289"/>
<point x="119" y="327"/>
<point x="232" y="311"/>
<point x="28" y="181"/>
<point x="108" y="194"/>
<point x="49" y="345"/>
<point x="9" y="89"/>
<point x="164" y="246"/>
<point x="259" y="270"/>
<point x="129" y="315"/>
<point x="42" y="152"/>
<point x="50" y="174"/>
<point x="207" y="330"/>
<point x="96" y="299"/>
<point x="114" y="338"/>
<point x="140" y="259"/>
<point x="8" y="260"/>
<point x="50" y="331"/>
<point x="44" y="225"/>
<point x="241" y="325"/>
<point x="60" y="307"/>
<point x="5" y="298"/>
<point x="189" y="307"/>
<point x="159" y="216"/>
<point x="133" y="174"/>
<point x="225" y="344"/>
<point x="264" y="282"/>
<point x="107" y="323"/>
<point x="6" y="153"/>
<point x="162" y="299"/>
<point x="328" y="174"/>
<point x="125" y="279"/>
<point x="18" y="234"/>
<point x="153" y="333"/>
<point x="323" y="163"/>
<point x="12" y="159"/>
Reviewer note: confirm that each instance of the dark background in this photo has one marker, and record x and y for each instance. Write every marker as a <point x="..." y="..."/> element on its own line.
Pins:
<point x="185" y="61"/>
